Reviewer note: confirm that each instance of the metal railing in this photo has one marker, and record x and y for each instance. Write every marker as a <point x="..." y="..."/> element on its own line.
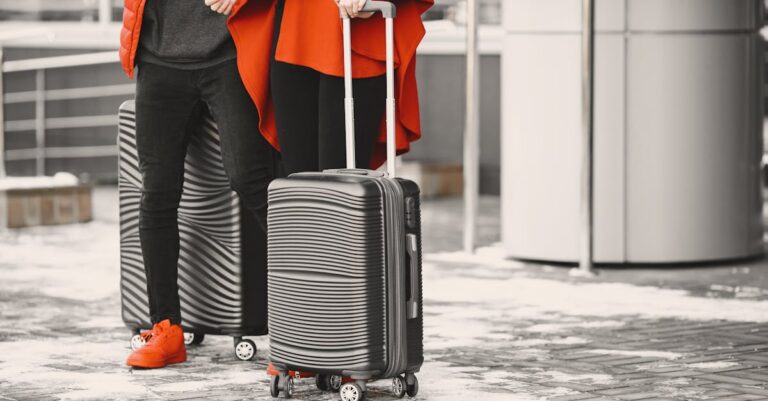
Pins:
<point x="100" y="9"/>
<point x="40" y="95"/>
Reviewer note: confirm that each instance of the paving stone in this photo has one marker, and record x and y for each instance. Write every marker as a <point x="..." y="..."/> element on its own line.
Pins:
<point x="638" y="396"/>
<point x="719" y="393"/>
<point x="572" y="397"/>
<point x="680" y="373"/>
<point x="759" y="357"/>
<point x="573" y="386"/>
<point x="617" y="391"/>
<point x="753" y="390"/>
<point x="730" y="379"/>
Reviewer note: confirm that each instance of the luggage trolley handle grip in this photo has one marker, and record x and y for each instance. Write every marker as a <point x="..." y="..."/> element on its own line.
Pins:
<point x="386" y="8"/>
<point x="389" y="11"/>
<point x="412" y="305"/>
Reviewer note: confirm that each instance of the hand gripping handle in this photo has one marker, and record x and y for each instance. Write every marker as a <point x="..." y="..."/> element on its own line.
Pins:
<point x="387" y="9"/>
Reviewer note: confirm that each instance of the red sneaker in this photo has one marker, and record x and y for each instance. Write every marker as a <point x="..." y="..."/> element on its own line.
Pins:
<point x="165" y="346"/>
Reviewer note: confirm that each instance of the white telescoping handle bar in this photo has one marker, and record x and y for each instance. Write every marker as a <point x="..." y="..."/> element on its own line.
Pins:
<point x="388" y="10"/>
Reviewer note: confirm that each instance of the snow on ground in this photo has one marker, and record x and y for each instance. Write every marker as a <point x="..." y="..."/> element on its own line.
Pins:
<point x="534" y="296"/>
<point x="77" y="262"/>
<point x="640" y="354"/>
<point x="60" y="325"/>
<point x="58" y="180"/>
<point x="719" y="365"/>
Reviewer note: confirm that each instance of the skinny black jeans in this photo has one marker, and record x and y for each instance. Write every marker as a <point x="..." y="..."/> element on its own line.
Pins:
<point x="309" y="112"/>
<point x="167" y="99"/>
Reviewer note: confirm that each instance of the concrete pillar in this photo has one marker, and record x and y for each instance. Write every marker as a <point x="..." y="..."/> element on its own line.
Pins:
<point x="678" y="130"/>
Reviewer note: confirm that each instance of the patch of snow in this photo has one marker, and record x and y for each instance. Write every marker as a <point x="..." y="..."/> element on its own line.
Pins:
<point x="535" y="342"/>
<point x="439" y="381"/>
<point x="558" y="327"/>
<point x="639" y="353"/>
<point x="490" y="256"/>
<point x="542" y="296"/>
<point x="78" y="262"/>
<point x="579" y="378"/>
<point x="209" y="381"/>
<point x="713" y="365"/>
<point x="57" y="181"/>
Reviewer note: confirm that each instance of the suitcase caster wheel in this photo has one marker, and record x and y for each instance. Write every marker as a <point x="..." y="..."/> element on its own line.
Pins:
<point x="287" y="386"/>
<point x="245" y="350"/>
<point x="274" y="386"/>
<point x="137" y="341"/>
<point x="334" y="383"/>
<point x="398" y="386"/>
<point x="413" y="388"/>
<point x="321" y="381"/>
<point x="351" y="392"/>
<point x="193" y="338"/>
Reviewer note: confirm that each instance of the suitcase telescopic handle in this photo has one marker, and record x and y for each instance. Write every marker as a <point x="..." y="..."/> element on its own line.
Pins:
<point x="389" y="12"/>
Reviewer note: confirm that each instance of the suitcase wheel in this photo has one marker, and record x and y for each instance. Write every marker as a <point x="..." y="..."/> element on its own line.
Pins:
<point x="137" y="341"/>
<point x="280" y="383"/>
<point x="321" y="381"/>
<point x="334" y="383"/>
<point x="413" y="388"/>
<point x="193" y="338"/>
<point x="351" y="392"/>
<point x="274" y="386"/>
<point x="398" y="386"/>
<point x="287" y="383"/>
<point x="245" y="350"/>
<point x="328" y="382"/>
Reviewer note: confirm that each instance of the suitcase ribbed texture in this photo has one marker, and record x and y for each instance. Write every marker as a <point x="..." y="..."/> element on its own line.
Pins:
<point x="327" y="278"/>
<point x="210" y="286"/>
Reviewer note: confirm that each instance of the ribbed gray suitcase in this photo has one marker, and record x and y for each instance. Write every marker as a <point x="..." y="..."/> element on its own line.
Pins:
<point x="344" y="275"/>
<point x="222" y="264"/>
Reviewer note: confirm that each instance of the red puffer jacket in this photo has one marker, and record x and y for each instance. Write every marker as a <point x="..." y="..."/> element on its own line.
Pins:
<point x="133" y="12"/>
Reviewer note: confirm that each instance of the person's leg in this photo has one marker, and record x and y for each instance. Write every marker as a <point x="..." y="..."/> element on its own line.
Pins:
<point x="248" y="158"/>
<point x="295" y="94"/>
<point x="370" y="99"/>
<point x="165" y="100"/>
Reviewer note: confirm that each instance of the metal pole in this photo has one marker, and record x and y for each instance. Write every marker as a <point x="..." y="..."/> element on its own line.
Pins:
<point x="40" y="121"/>
<point x="2" y="120"/>
<point x="105" y="12"/>
<point x="471" y="131"/>
<point x="588" y="87"/>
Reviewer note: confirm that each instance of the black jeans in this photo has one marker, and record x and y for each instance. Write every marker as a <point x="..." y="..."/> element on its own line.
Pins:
<point x="309" y="111"/>
<point x="166" y="100"/>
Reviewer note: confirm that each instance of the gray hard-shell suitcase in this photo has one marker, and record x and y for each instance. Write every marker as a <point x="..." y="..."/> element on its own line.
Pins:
<point x="344" y="275"/>
<point x="222" y="261"/>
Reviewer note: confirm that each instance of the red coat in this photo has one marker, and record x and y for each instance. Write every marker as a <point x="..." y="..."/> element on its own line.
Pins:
<point x="252" y="24"/>
<point x="133" y="13"/>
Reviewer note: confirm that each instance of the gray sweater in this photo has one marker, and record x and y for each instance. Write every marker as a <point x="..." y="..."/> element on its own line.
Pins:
<point x="184" y="34"/>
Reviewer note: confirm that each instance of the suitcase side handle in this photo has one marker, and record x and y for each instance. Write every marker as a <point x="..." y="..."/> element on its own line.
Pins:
<point x="389" y="11"/>
<point x="412" y="305"/>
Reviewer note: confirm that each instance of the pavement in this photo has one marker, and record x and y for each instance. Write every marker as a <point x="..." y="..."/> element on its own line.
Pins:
<point x="496" y="329"/>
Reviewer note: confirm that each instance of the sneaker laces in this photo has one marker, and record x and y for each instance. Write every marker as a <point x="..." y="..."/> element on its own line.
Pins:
<point x="153" y="334"/>
<point x="146" y="335"/>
